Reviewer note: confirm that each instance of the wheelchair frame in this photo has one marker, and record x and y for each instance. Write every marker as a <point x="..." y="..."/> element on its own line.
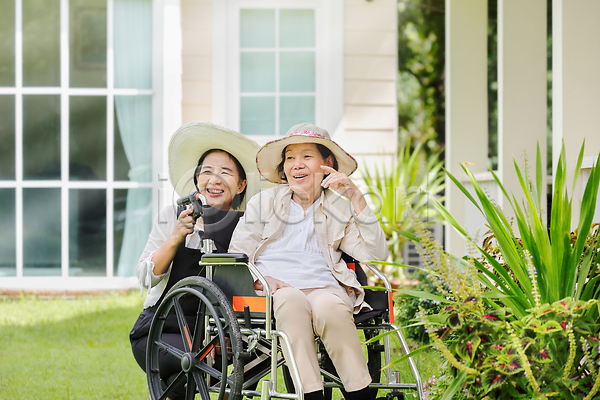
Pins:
<point x="217" y="325"/>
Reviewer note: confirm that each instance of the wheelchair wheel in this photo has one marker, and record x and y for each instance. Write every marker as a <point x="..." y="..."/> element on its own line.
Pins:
<point x="213" y="326"/>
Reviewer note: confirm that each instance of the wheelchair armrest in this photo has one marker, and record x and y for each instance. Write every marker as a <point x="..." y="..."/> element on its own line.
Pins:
<point x="225" y="258"/>
<point x="380" y="275"/>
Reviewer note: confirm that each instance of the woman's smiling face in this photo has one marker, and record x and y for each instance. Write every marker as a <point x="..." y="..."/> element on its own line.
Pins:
<point x="302" y="169"/>
<point x="219" y="180"/>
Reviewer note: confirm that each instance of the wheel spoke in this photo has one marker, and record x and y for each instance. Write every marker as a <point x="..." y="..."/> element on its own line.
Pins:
<point x="199" y="328"/>
<point x="183" y="326"/>
<point x="202" y="387"/>
<point x="179" y="381"/>
<point x="190" y="388"/>
<point x="171" y="349"/>
<point x="204" y="351"/>
<point x="215" y="373"/>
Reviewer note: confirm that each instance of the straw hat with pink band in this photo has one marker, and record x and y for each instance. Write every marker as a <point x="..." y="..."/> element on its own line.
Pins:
<point x="271" y="154"/>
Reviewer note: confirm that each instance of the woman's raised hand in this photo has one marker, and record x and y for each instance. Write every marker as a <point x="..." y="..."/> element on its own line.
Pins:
<point x="184" y="225"/>
<point x="274" y="284"/>
<point x="342" y="184"/>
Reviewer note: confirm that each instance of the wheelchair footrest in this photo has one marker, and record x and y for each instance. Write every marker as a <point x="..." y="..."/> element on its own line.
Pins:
<point x="245" y="356"/>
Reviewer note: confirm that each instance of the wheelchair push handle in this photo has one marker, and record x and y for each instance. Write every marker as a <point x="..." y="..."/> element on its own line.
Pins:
<point x="197" y="200"/>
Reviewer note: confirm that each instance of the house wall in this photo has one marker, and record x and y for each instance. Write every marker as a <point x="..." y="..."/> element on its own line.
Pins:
<point x="575" y="88"/>
<point x="370" y="70"/>
<point x="370" y="119"/>
<point x="196" y="57"/>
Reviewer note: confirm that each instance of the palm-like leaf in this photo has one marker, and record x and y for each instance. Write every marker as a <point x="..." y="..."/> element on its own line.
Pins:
<point x="562" y="267"/>
<point x="412" y="180"/>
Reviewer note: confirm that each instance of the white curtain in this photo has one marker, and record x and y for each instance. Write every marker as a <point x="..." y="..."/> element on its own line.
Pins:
<point x="133" y="70"/>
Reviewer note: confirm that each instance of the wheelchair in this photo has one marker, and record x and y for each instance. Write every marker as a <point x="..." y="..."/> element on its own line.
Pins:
<point x="231" y="344"/>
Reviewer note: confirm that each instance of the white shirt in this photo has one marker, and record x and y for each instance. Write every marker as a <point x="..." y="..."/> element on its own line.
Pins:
<point x="295" y="257"/>
<point x="161" y="230"/>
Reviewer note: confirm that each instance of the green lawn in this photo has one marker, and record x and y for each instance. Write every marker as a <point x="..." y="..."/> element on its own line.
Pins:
<point x="79" y="349"/>
<point x="69" y="349"/>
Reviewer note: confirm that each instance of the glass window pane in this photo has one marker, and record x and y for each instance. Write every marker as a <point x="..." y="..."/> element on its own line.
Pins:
<point x="132" y="225"/>
<point x="133" y="44"/>
<point x="296" y="28"/>
<point x="87" y="232"/>
<point x="87" y="36"/>
<point x="7" y="137"/>
<point x="8" y="241"/>
<point x="133" y="138"/>
<point x="257" y="115"/>
<point x="87" y="138"/>
<point x="294" y="110"/>
<point x="41" y="137"/>
<point x="257" y="28"/>
<point x="297" y="72"/>
<point x="41" y="232"/>
<point x="257" y="72"/>
<point x="121" y="164"/>
<point x="7" y="44"/>
<point x="41" y="43"/>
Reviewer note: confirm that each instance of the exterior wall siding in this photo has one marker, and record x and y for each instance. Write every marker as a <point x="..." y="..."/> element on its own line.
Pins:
<point x="370" y="73"/>
<point x="196" y="77"/>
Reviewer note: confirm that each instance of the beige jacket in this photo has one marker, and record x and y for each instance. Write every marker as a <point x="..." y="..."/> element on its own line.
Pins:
<point x="338" y="230"/>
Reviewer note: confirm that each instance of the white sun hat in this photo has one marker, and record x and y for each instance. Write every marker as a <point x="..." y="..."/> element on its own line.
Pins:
<point x="193" y="139"/>
<point x="270" y="155"/>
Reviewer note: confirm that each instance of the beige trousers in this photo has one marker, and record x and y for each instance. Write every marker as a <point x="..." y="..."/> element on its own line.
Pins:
<point x="326" y="312"/>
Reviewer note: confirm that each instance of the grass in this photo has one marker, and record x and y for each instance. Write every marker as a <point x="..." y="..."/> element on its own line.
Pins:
<point x="78" y="348"/>
<point x="69" y="349"/>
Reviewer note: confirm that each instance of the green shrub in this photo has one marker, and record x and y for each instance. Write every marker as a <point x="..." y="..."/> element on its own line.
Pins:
<point x="519" y="316"/>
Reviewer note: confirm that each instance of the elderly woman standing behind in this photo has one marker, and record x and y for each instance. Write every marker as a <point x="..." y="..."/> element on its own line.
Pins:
<point x="295" y="234"/>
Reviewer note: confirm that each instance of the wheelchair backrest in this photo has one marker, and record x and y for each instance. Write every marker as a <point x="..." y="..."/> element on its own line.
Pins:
<point x="231" y="274"/>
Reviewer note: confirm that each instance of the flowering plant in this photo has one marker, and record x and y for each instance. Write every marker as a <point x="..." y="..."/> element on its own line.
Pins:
<point x="520" y="313"/>
<point x="553" y="351"/>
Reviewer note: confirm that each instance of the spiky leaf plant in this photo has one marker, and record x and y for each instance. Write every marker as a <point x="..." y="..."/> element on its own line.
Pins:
<point x="520" y="315"/>
<point x="413" y="177"/>
<point x="565" y="262"/>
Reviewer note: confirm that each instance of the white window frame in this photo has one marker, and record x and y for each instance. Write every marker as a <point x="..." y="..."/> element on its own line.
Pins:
<point x="329" y="54"/>
<point x="160" y="120"/>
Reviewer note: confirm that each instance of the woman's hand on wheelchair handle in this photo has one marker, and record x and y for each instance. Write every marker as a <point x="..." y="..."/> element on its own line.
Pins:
<point x="274" y="284"/>
<point x="184" y="225"/>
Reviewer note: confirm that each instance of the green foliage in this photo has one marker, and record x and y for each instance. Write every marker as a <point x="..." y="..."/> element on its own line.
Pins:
<point x="520" y="314"/>
<point x="410" y="182"/>
<point x="407" y="307"/>
<point x="552" y="350"/>
<point x="565" y="262"/>
<point x="421" y="33"/>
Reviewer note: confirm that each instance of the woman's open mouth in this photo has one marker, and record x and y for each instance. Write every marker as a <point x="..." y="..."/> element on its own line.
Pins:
<point x="214" y="192"/>
<point x="299" y="177"/>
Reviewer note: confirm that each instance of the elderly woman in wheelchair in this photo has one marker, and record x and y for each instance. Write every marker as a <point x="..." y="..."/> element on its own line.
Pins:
<point x="295" y="235"/>
<point x="218" y="164"/>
